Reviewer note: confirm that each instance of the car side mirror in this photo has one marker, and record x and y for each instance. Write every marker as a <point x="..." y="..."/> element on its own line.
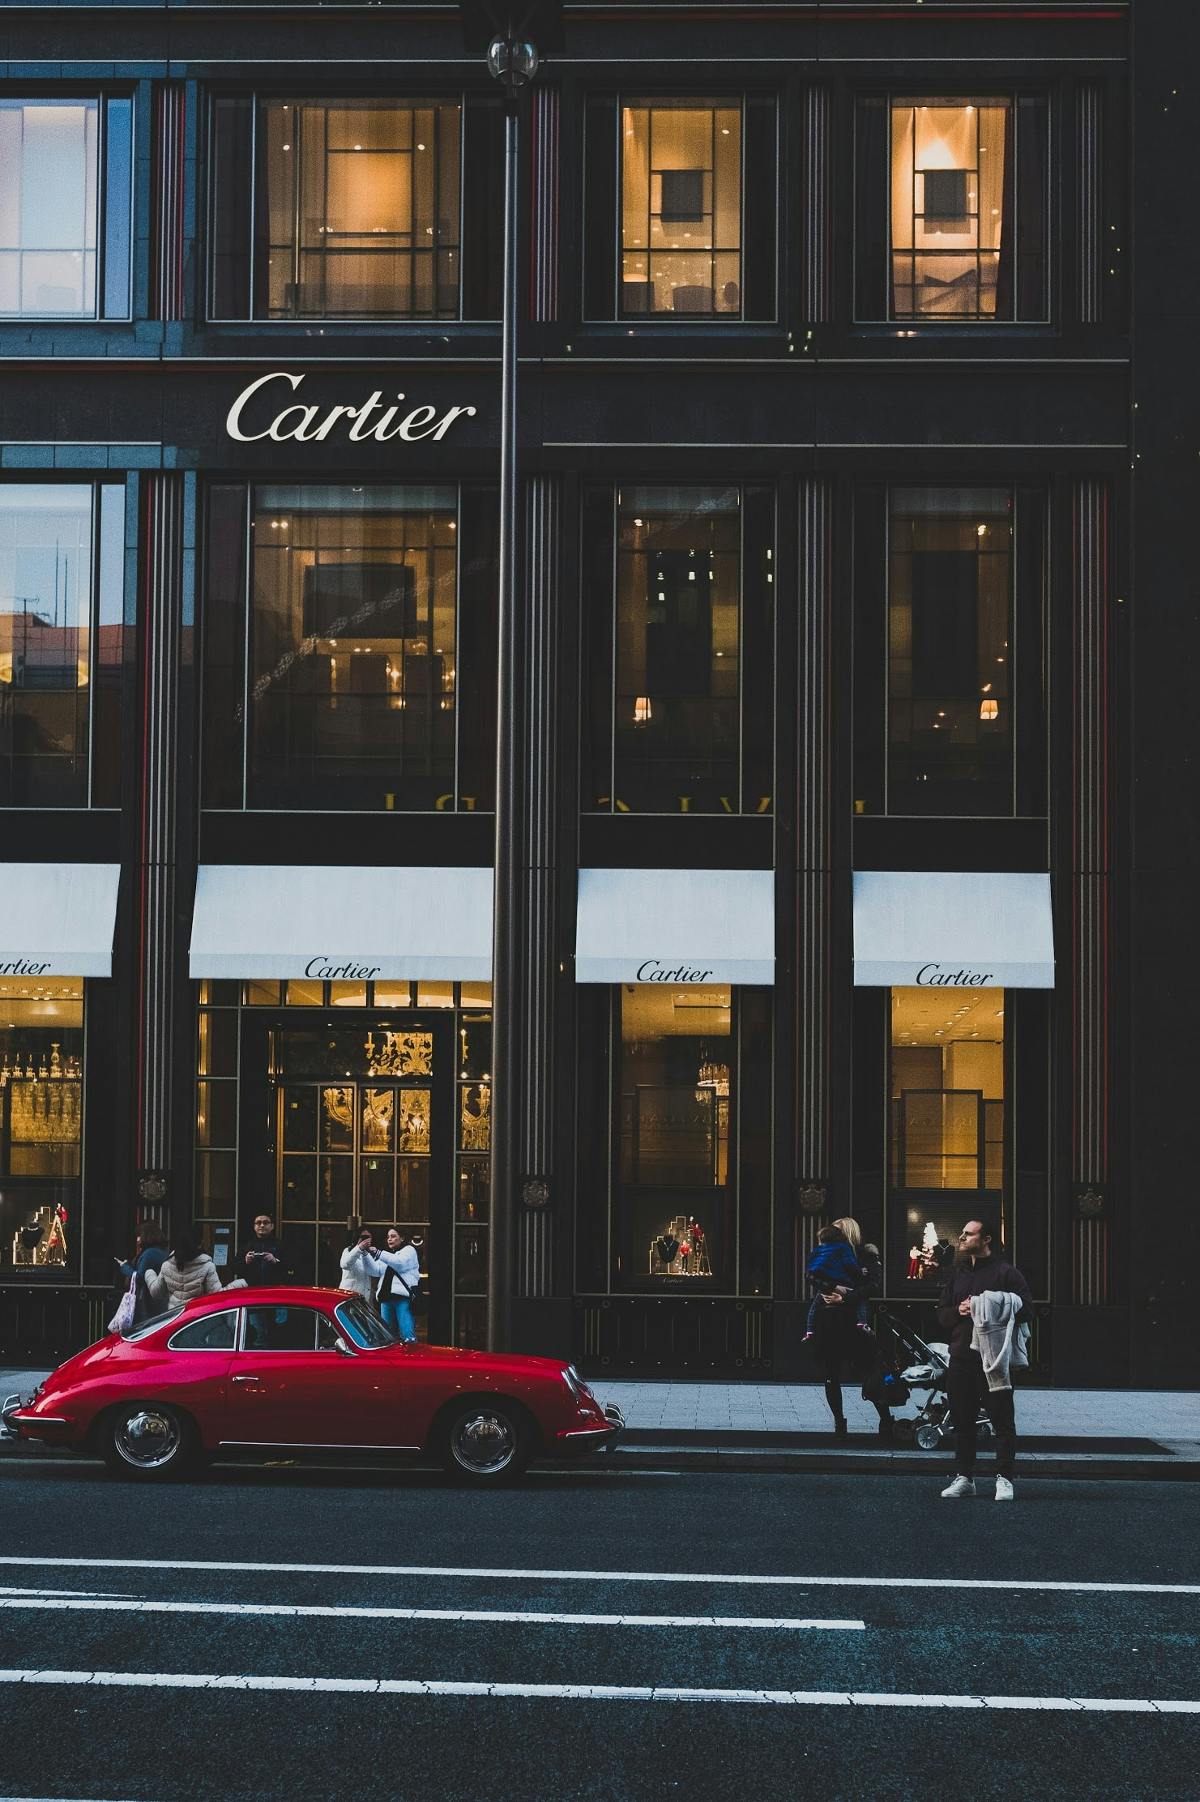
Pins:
<point x="341" y="1348"/>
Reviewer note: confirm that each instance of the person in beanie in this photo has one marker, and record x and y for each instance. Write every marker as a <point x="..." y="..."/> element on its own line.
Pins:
<point x="983" y="1276"/>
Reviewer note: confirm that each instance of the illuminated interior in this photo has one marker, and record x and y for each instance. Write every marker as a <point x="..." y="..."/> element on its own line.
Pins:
<point x="41" y="1115"/>
<point x="48" y="207"/>
<point x="947" y="1089"/>
<point x="362" y="203"/>
<point x="949" y="187"/>
<point x="681" y="207"/>
<point x="354" y="640"/>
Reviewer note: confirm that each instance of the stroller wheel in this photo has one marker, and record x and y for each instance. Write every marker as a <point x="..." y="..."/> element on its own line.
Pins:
<point x="928" y="1437"/>
<point x="905" y="1429"/>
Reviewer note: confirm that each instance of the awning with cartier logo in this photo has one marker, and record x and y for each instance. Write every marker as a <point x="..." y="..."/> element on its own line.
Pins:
<point x="57" y="919"/>
<point x="953" y="929"/>
<point x="342" y="924"/>
<point x="676" y="926"/>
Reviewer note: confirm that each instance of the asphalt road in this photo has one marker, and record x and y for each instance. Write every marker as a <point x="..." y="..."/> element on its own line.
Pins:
<point x="820" y="1634"/>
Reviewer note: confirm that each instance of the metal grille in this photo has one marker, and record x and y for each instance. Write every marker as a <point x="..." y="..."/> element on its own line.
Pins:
<point x="170" y="115"/>
<point x="545" y="204"/>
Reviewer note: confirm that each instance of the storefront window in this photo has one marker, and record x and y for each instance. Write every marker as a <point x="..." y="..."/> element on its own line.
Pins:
<point x="61" y="643"/>
<point x="681" y="207"/>
<point x="681" y="713"/>
<point x="964" y="183"/>
<point x="64" y="231"/>
<point x="353" y="209"/>
<point x="947" y="1118"/>
<point x="677" y="1108"/>
<point x="950" y="652"/>
<point x="41" y="1114"/>
<point x="353" y="642"/>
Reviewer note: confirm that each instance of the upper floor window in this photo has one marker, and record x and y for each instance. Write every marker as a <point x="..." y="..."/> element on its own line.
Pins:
<point x="65" y="174"/>
<point x="62" y="642"/>
<point x="958" y="190"/>
<point x="690" y="187"/>
<point x="337" y="657"/>
<point x="950" y="652"/>
<point x="681" y="207"/>
<point x="680" y="717"/>
<point x="353" y="209"/>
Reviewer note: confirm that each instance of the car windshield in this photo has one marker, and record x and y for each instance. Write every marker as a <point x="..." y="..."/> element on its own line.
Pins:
<point x="143" y="1328"/>
<point x="363" y="1327"/>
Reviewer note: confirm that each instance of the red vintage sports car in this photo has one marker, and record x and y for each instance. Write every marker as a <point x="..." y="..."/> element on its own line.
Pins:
<point x="308" y="1370"/>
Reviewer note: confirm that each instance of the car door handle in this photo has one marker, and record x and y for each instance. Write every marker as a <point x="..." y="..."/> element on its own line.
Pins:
<point x="246" y="1379"/>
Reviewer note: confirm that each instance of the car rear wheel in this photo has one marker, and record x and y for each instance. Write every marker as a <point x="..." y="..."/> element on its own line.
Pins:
<point x="486" y="1442"/>
<point x="149" y="1441"/>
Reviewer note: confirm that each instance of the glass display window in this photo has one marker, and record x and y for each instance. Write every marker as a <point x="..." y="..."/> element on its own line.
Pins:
<point x="353" y="647"/>
<point x="675" y="1131"/>
<point x="353" y="211"/>
<point x="66" y="168"/>
<point x="946" y="1123"/>
<point x="62" y="643"/>
<point x="681" y="207"/>
<point x="41" y="1124"/>
<point x="953" y="208"/>
<point x="951" y="652"/>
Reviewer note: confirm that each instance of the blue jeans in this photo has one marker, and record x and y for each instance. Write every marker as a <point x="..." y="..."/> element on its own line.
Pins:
<point x="398" y="1315"/>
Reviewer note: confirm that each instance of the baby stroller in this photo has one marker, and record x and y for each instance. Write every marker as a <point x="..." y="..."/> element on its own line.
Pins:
<point x="922" y="1368"/>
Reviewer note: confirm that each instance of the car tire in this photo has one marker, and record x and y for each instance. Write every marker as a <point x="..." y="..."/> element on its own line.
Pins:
<point x="485" y="1443"/>
<point x="149" y="1442"/>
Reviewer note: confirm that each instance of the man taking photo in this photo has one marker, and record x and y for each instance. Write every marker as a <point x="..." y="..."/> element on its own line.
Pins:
<point x="980" y="1311"/>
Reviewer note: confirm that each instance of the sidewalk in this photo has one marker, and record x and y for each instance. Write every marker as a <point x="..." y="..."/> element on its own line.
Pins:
<point x="763" y="1409"/>
<point x="766" y="1408"/>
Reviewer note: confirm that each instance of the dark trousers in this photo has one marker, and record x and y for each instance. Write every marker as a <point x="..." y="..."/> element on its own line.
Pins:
<point x="844" y="1353"/>
<point x="966" y="1387"/>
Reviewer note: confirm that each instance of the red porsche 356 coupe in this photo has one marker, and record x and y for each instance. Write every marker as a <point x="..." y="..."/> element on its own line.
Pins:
<point x="309" y="1370"/>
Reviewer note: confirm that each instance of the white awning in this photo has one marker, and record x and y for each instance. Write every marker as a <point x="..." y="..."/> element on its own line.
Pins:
<point x="57" y="919"/>
<point x="676" y="926"/>
<point x="342" y="924"/>
<point x="952" y="929"/>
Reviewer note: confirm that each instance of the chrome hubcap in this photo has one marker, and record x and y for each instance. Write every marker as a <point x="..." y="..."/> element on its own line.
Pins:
<point x="483" y="1442"/>
<point x="147" y="1439"/>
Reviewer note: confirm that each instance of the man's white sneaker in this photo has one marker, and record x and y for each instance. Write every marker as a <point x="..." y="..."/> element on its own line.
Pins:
<point x="958" y="1488"/>
<point x="1004" y="1490"/>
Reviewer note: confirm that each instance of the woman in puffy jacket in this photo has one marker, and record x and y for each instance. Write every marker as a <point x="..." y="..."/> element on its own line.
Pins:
<point x="187" y="1273"/>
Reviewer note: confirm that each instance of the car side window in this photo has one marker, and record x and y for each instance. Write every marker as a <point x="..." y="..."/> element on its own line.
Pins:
<point x="212" y="1332"/>
<point x="287" y="1329"/>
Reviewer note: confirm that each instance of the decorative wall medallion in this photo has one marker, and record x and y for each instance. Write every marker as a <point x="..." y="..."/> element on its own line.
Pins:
<point x="535" y="1192"/>
<point x="812" y="1198"/>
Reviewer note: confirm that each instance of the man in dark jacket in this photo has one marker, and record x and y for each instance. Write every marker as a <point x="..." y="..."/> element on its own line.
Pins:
<point x="263" y="1263"/>
<point x="977" y="1268"/>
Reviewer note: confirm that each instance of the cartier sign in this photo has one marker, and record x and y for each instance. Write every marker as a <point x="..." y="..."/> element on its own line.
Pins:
<point x="258" y="414"/>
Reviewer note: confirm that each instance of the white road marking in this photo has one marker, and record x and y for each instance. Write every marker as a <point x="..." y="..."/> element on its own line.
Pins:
<point x="596" y="1692"/>
<point x="516" y="1574"/>
<point x="44" y="1600"/>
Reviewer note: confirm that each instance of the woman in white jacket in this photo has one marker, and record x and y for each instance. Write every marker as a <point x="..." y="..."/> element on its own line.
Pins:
<point x="399" y="1272"/>
<point x="187" y="1273"/>
<point x="356" y="1278"/>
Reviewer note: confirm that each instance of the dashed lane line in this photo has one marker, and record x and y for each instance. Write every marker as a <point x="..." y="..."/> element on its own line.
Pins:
<point x="516" y="1574"/>
<point x="596" y="1692"/>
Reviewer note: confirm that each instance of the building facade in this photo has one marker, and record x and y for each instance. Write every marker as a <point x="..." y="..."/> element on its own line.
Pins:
<point x="849" y="639"/>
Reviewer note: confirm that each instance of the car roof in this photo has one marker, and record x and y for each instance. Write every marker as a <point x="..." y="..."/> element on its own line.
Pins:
<point x="281" y="1295"/>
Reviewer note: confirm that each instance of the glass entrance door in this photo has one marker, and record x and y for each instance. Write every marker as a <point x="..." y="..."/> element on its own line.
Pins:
<point x="361" y="1129"/>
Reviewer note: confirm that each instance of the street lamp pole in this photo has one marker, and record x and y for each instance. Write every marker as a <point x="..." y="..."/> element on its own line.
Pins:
<point x="513" y="60"/>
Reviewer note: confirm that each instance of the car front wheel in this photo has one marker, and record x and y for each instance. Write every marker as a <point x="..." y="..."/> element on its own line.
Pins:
<point x="485" y="1443"/>
<point x="149" y="1441"/>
